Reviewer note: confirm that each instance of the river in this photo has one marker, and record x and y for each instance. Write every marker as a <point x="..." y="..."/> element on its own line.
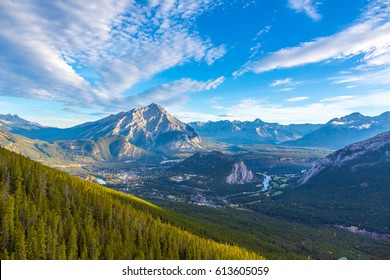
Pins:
<point x="266" y="180"/>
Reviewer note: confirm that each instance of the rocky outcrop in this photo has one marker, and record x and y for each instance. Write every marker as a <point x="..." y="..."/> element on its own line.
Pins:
<point x="240" y="175"/>
<point x="220" y="167"/>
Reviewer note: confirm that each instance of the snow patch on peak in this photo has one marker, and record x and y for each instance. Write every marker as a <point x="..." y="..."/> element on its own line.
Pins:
<point x="364" y="126"/>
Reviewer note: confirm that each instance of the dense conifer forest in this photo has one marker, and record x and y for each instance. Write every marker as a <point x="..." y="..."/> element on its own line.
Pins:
<point x="48" y="214"/>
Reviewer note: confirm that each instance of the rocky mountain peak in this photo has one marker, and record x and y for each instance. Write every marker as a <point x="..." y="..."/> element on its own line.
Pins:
<point x="14" y="121"/>
<point x="155" y="107"/>
<point x="149" y="127"/>
<point x="346" y="119"/>
<point x="354" y="115"/>
<point x="258" y="121"/>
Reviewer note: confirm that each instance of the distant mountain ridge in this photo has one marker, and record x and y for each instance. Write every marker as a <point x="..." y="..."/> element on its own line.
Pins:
<point x="365" y="157"/>
<point x="10" y="122"/>
<point x="343" y="131"/>
<point x="150" y="128"/>
<point x="246" y="132"/>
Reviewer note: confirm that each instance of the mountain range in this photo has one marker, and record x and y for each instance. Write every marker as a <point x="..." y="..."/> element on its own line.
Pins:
<point x="153" y="129"/>
<point x="238" y="132"/>
<point x="343" y="131"/>
<point x="335" y="134"/>
<point x="150" y="128"/>
<point x="14" y="122"/>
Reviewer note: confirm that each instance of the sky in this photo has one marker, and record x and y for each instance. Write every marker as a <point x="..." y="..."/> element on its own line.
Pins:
<point x="65" y="62"/>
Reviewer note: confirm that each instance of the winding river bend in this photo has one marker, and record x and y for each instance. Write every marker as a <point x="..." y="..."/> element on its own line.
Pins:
<point x="266" y="185"/>
<point x="265" y="188"/>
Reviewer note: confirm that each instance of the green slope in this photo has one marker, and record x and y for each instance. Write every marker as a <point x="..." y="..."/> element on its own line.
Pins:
<point x="47" y="214"/>
<point x="273" y="236"/>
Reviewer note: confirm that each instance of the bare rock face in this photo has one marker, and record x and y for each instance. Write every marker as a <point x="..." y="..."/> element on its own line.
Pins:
<point x="240" y="174"/>
<point x="222" y="168"/>
<point x="150" y="128"/>
<point x="370" y="152"/>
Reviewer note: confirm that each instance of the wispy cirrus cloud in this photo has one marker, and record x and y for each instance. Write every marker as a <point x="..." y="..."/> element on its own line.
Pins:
<point x="87" y="54"/>
<point x="315" y="112"/>
<point x="214" y="54"/>
<point x="288" y="84"/>
<point x="296" y="99"/>
<point x="170" y="93"/>
<point x="284" y="82"/>
<point x="377" y="76"/>
<point x="336" y="98"/>
<point x="285" y="89"/>
<point x="309" y="7"/>
<point x="368" y="36"/>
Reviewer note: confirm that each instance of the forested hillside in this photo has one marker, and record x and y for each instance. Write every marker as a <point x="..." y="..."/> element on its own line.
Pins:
<point x="47" y="214"/>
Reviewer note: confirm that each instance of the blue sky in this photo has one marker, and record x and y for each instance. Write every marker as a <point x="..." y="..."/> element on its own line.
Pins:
<point x="288" y="61"/>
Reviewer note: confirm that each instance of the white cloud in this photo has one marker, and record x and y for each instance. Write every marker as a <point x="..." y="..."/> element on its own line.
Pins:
<point x="168" y="94"/>
<point x="52" y="49"/>
<point x="265" y="30"/>
<point x="213" y="84"/>
<point x="256" y="49"/>
<point x="368" y="36"/>
<point x="285" y="89"/>
<point x="336" y="98"/>
<point x="378" y="76"/>
<point x="296" y="99"/>
<point x="284" y="82"/>
<point x="309" y="7"/>
<point x="318" y="112"/>
<point x="288" y="84"/>
<point x="346" y="80"/>
<point x="214" y="54"/>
